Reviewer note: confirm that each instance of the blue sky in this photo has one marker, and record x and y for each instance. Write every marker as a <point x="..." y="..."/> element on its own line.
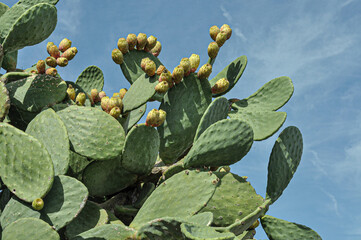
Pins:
<point x="316" y="43"/>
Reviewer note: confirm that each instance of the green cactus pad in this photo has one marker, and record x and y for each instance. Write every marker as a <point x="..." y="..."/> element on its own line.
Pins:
<point x="139" y="92"/>
<point x="133" y="117"/>
<point x="91" y="216"/>
<point x="25" y="165"/>
<point x="196" y="232"/>
<point x="233" y="199"/>
<point x="36" y="92"/>
<point x="92" y="77"/>
<point x="263" y="123"/>
<point x="48" y="128"/>
<point x="216" y="111"/>
<point x="33" y="26"/>
<point x="232" y="73"/>
<point x="113" y="219"/>
<point x="19" y="118"/>
<point x="28" y="229"/>
<point x="248" y="234"/>
<point x="131" y="65"/>
<point x="14" y="76"/>
<point x="77" y="164"/>
<point x="107" y="232"/>
<point x="202" y="219"/>
<point x="178" y="130"/>
<point x="62" y="204"/>
<point x="140" y="149"/>
<point x="223" y="143"/>
<point x="10" y="60"/>
<point x="104" y="178"/>
<point x="1" y="56"/>
<point x="4" y="101"/>
<point x="161" y="228"/>
<point x="280" y="229"/>
<point x="34" y="2"/>
<point x="172" y="170"/>
<point x="284" y="160"/>
<point x="144" y="193"/>
<point x="3" y="8"/>
<point x="92" y="132"/>
<point x="171" y="200"/>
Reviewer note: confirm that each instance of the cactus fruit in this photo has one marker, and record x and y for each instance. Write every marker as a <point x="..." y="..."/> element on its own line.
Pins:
<point x="165" y="76"/>
<point x="144" y="62"/>
<point x="62" y="61"/>
<point x="141" y="41"/>
<point x="80" y="99"/>
<point x="162" y="87"/>
<point x="178" y="74"/>
<point x="122" y="92"/>
<point x="38" y="204"/>
<point x="104" y="102"/>
<point x="70" y="53"/>
<point x="71" y="92"/>
<point x="186" y="65"/>
<point x="117" y="56"/>
<point x="213" y="32"/>
<point x="132" y="41"/>
<point x="227" y="30"/>
<point x="155" y="118"/>
<point x="64" y="45"/>
<point x="48" y="45"/>
<point x="53" y="50"/>
<point x="220" y="86"/>
<point x="94" y="94"/>
<point x="213" y="50"/>
<point x="115" y="112"/>
<point x="123" y="45"/>
<point x="51" y="71"/>
<point x="156" y="50"/>
<point x="205" y="71"/>
<point x="221" y="38"/>
<point x="51" y="62"/>
<point x="160" y="69"/>
<point x="40" y="66"/>
<point x="150" y="68"/>
<point x="102" y="94"/>
<point x="151" y="42"/>
<point x="195" y="60"/>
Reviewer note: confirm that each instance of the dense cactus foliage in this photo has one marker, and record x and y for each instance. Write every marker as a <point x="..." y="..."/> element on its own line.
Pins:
<point x="77" y="164"/>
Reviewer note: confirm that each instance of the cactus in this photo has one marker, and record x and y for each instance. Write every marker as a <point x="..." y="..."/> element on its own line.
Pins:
<point x="94" y="171"/>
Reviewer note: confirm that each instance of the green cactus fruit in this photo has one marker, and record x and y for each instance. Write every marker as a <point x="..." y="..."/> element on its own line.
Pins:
<point x="51" y="62"/>
<point x="117" y="56"/>
<point x="162" y="87"/>
<point x="115" y="112"/>
<point x="123" y="45"/>
<point x="194" y="59"/>
<point x="102" y="94"/>
<point x="152" y="118"/>
<point x="62" y="61"/>
<point x="178" y="74"/>
<point x="70" y="53"/>
<point x="221" y="38"/>
<point x="38" y="204"/>
<point x="104" y="103"/>
<point x="122" y="92"/>
<point x="151" y="42"/>
<point x="71" y="92"/>
<point x="156" y="50"/>
<point x="64" y="45"/>
<point x="48" y="45"/>
<point x="220" y="86"/>
<point x="51" y="71"/>
<point x="54" y="51"/>
<point x="227" y="30"/>
<point x="144" y="62"/>
<point x="94" y="95"/>
<point x="150" y="68"/>
<point x="213" y="32"/>
<point x="40" y="66"/>
<point x="160" y="69"/>
<point x="80" y="99"/>
<point x="205" y="71"/>
<point x="186" y="65"/>
<point x="213" y="50"/>
<point x="132" y="41"/>
<point x="141" y="41"/>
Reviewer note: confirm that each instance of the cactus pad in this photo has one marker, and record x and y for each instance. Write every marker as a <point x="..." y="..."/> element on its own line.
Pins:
<point x="25" y="165"/>
<point x="107" y="232"/>
<point x="4" y="101"/>
<point x="92" y="77"/>
<point x="133" y="117"/>
<point x="14" y="76"/>
<point x="92" y="132"/>
<point x="196" y="232"/>
<point x="3" y="8"/>
<point x="77" y="164"/>
<point x="48" y="128"/>
<point x="223" y="143"/>
<point x="284" y="160"/>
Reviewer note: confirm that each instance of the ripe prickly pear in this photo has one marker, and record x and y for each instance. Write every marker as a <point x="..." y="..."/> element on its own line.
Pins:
<point x="150" y="68"/>
<point x="165" y="76"/>
<point x="64" y="45"/>
<point x="132" y="41"/>
<point x="123" y="45"/>
<point x="62" y="61"/>
<point x="227" y="30"/>
<point x="162" y="87"/>
<point x="194" y="59"/>
<point x="117" y="56"/>
<point x="48" y="45"/>
<point x="144" y="62"/>
<point x="152" y="118"/>
<point x="122" y="92"/>
<point x="156" y="50"/>
<point x="104" y="103"/>
<point x="51" y="71"/>
<point x="205" y="71"/>
<point x="151" y="42"/>
<point x="80" y="99"/>
<point x="102" y="94"/>
<point x="51" y="62"/>
<point x="115" y="112"/>
<point x="115" y="102"/>
<point x="70" y="53"/>
<point x="160" y="69"/>
<point x="178" y="74"/>
<point x="213" y="50"/>
<point x="221" y="38"/>
<point x="220" y="86"/>
<point x="94" y="95"/>
<point x="71" y="92"/>
<point x="141" y="41"/>
<point x="162" y="117"/>
<point x="186" y="65"/>
<point x="40" y="66"/>
<point x="38" y="204"/>
<point x="54" y="51"/>
<point x="213" y="32"/>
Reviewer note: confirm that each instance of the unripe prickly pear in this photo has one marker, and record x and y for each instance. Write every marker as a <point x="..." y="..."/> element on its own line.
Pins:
<point x="220" y="86"/>
<point x="151" y="42"/>
<point x="178" y="74"/>
<point x="186" y="65"/>
<point x="115" y="112"/>
<point x="162" y="87"/>
<point x="48" y="45"/>
<point x="160" y="69"/>
<point x="117" y="56"/>
<point x="71" y="92"/>
<point x="213" y="32"/>
<point x="51" y="71"/>
<point x="51" y="62"/>
<point x="70" y="53"/>
<point x="152" y="118"/>
<point x="104" y="103"/>
<point x="227" y="30"/>
<point x="40" y="66"/>
<point x="80" y="99"/>
<point x="38" y="204"/>
<point x="102" y="94"/>
<point x="54" y="51"/>
<point x="194" y="59"/>
<point x="132" y="41"/>
<point x="123" y="45"/>
<point x="122" y="92"/>
<point x="162" y="117"/>
<point x="62" y="61"/>
<point x="221" y="38"/>
<point x="205" y="71"/>
<point x="150" y="68"/>
<point x="156" y="50"/>
<point x="64" y="45"/>
<point x="144" y="62"/>
<point x="94" y="95"/>
<point x="141" y="41"/>
<point x="213" y="50"/>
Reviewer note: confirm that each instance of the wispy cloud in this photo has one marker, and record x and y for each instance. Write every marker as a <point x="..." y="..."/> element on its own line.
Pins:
<point x="235" y="25"/>
<point x="69" y="20"/>
<point x="333" y="206"/>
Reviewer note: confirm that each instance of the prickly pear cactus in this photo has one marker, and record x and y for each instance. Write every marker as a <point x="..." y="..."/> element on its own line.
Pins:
<point x="78" y="164"/>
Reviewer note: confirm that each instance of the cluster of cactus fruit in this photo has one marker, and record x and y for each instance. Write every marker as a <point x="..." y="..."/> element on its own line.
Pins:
<point x="66" y="176"/>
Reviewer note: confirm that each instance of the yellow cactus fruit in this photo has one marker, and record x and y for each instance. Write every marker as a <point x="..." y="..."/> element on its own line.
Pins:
<point x="141" y="41"/>
<point x="186" y="65"/>
<point x="51" y="71"/>
<point x="51" y="62"/>
<point x="227" y="30"/>
<point x="71" y="92"/>
<point x="122" y="92"/>
<point x="123" y="45"/>
<point x="213" y="50"/>
<point x="213" y="32"/>
<point x="115" y="112"/>
<point x="117" y="56"/>
<point x="220" y="86"/>
<point x="40" y="66"/>
<point x="80" y="99"/>
<point x="38" y="204"/>
<point x="64" y="45"/>
<point x="194" y="59"/>
<point x="132" y="41"/>
<point x="62" y="61"/>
